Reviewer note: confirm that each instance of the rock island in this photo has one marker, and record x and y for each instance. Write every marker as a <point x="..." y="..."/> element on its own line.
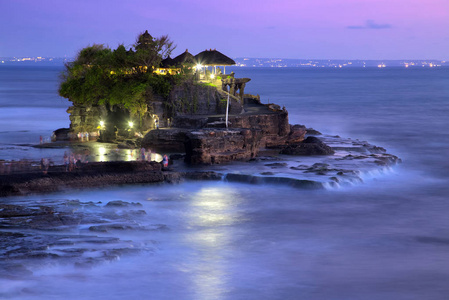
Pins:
<point x="187" y="106"/>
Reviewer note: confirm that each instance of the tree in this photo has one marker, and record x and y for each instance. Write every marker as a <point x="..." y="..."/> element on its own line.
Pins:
<point x="150" y="51"/>
<point x="117" y="78"/>
<point x="121" y="58"/>
<point x="95" y="54"/>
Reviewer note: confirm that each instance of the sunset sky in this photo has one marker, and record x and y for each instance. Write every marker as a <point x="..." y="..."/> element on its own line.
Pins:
<point x="320" y="29"/>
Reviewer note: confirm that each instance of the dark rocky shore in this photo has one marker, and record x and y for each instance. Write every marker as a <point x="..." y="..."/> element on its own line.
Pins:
<point x="349" y="160"/>
<point x="95" y="174"/>
<point x="120" y="173"/>
<point x="38" y="234"/>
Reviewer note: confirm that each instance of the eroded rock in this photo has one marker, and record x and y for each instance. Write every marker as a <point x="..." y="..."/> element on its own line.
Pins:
<point x="310" y="146"/>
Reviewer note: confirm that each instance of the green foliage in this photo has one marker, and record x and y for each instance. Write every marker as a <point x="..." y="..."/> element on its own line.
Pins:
<point x="150" y="51"/>
<point x="161" y="84"/>
<point x="208" y="84"/>
<point x="119" y="77"/>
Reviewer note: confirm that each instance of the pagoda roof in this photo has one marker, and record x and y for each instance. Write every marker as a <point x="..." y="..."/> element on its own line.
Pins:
<point x="185" y="57"/>
<point x="213" y="58"/>
<point x="167" y="62"/>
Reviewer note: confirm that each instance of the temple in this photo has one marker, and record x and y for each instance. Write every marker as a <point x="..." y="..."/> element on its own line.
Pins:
<point x="209" y="67"/>
<point x="191" y="92"/>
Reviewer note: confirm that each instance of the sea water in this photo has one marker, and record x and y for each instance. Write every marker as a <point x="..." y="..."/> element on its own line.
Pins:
<point x="386" y="238"/>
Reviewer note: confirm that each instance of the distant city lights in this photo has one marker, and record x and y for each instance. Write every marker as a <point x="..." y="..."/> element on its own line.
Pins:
<point x="329" y="63"/>
<point x="272" y="62"/>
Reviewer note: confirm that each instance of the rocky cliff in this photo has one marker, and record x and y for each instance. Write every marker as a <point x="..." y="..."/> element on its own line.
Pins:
<point x="186" y="99"/>
<point x="86" y="119"/>
<point x="200" y="99"/>
<point x="205" y="141"/>
<point x="216" y="146"/>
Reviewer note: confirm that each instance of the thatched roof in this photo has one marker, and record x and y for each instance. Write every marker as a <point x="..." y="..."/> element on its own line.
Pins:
<point x="183" y="58"/>
<point x="167" y="62"/>
<point x="213" y="58"/>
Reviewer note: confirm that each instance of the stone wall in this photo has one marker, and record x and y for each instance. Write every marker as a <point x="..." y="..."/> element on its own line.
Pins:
<point x="166" y="140"/>
<point x="85" y="119"/>
<point x="206" y="146"/>
<point x="241" y="141"/>
<point x="216" y="146"/>
<point x="274" y="126"/>
<point x="199" y="99"/>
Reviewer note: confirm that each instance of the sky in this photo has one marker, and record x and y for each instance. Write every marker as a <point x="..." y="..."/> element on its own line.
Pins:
<point x="304" y="29"/>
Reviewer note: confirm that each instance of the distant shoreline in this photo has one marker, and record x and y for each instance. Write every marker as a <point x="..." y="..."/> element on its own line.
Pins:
<point x="246" y="62"/>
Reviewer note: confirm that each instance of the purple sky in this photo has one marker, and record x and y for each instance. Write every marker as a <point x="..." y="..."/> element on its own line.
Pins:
<point x="321" y="29"/>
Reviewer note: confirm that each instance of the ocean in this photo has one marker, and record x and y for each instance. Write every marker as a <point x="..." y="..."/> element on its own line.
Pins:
<point x="384" y="238"/>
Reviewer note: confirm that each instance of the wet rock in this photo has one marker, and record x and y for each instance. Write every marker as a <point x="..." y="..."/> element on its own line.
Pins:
<point x="311" y="131"/>
<point x="296" y="135"/>
<point x="139" y="212"/>
<point x="61" y="134"/>
<point x="351" y="157"/>
<point x="348" y="172"/>
<point x="109" y="227"/>
<point x="87" y="175"/>
<point x="387" y="160"/>
<point x="374" y="149"/>
<point x="310" y="146"/>
<point x="312" y="140"/>
<point x="293" y="182"/>
<point x="335" y="179"/>
<point x="297" y="169"/>
<point x="300" y="167"/>
<point x="172" y="177"/>
<point x="319" y="166"/>
<point x="81" y="250"/>
<point x="276" y="165"/>
<point x="120" y="203"/>
<point x="203" y="175"/>
<point x="168" y="140"/>
<point x="217" y="146"/>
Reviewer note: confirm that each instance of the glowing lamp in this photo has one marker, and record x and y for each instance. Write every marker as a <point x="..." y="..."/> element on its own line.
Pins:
<point x="131" y="124"/>
<point x="198" y="66"/>
<point x="101" y="123"/>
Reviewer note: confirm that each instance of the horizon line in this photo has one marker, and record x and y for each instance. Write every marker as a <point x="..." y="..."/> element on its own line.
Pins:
<point x="248" y="57"/>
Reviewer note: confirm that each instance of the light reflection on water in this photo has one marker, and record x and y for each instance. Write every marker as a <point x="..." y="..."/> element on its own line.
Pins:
<point x="238" y="241"/>
<point x="213" y="209"/>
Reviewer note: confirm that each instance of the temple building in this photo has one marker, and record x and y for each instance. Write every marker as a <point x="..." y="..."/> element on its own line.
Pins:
<point x="213" y="59"/>
<point x="206" y="64"/>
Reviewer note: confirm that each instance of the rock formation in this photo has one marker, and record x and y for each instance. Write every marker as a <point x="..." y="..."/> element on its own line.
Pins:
<point x="310" y="146"/>
<point x="86" y="175"/>
<point x="216" y="146"/>
<point x="185" y="99"/>
<point x="200" y="99"/>
<point x="205" y="139"/>
<point x="192" y="121"/>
